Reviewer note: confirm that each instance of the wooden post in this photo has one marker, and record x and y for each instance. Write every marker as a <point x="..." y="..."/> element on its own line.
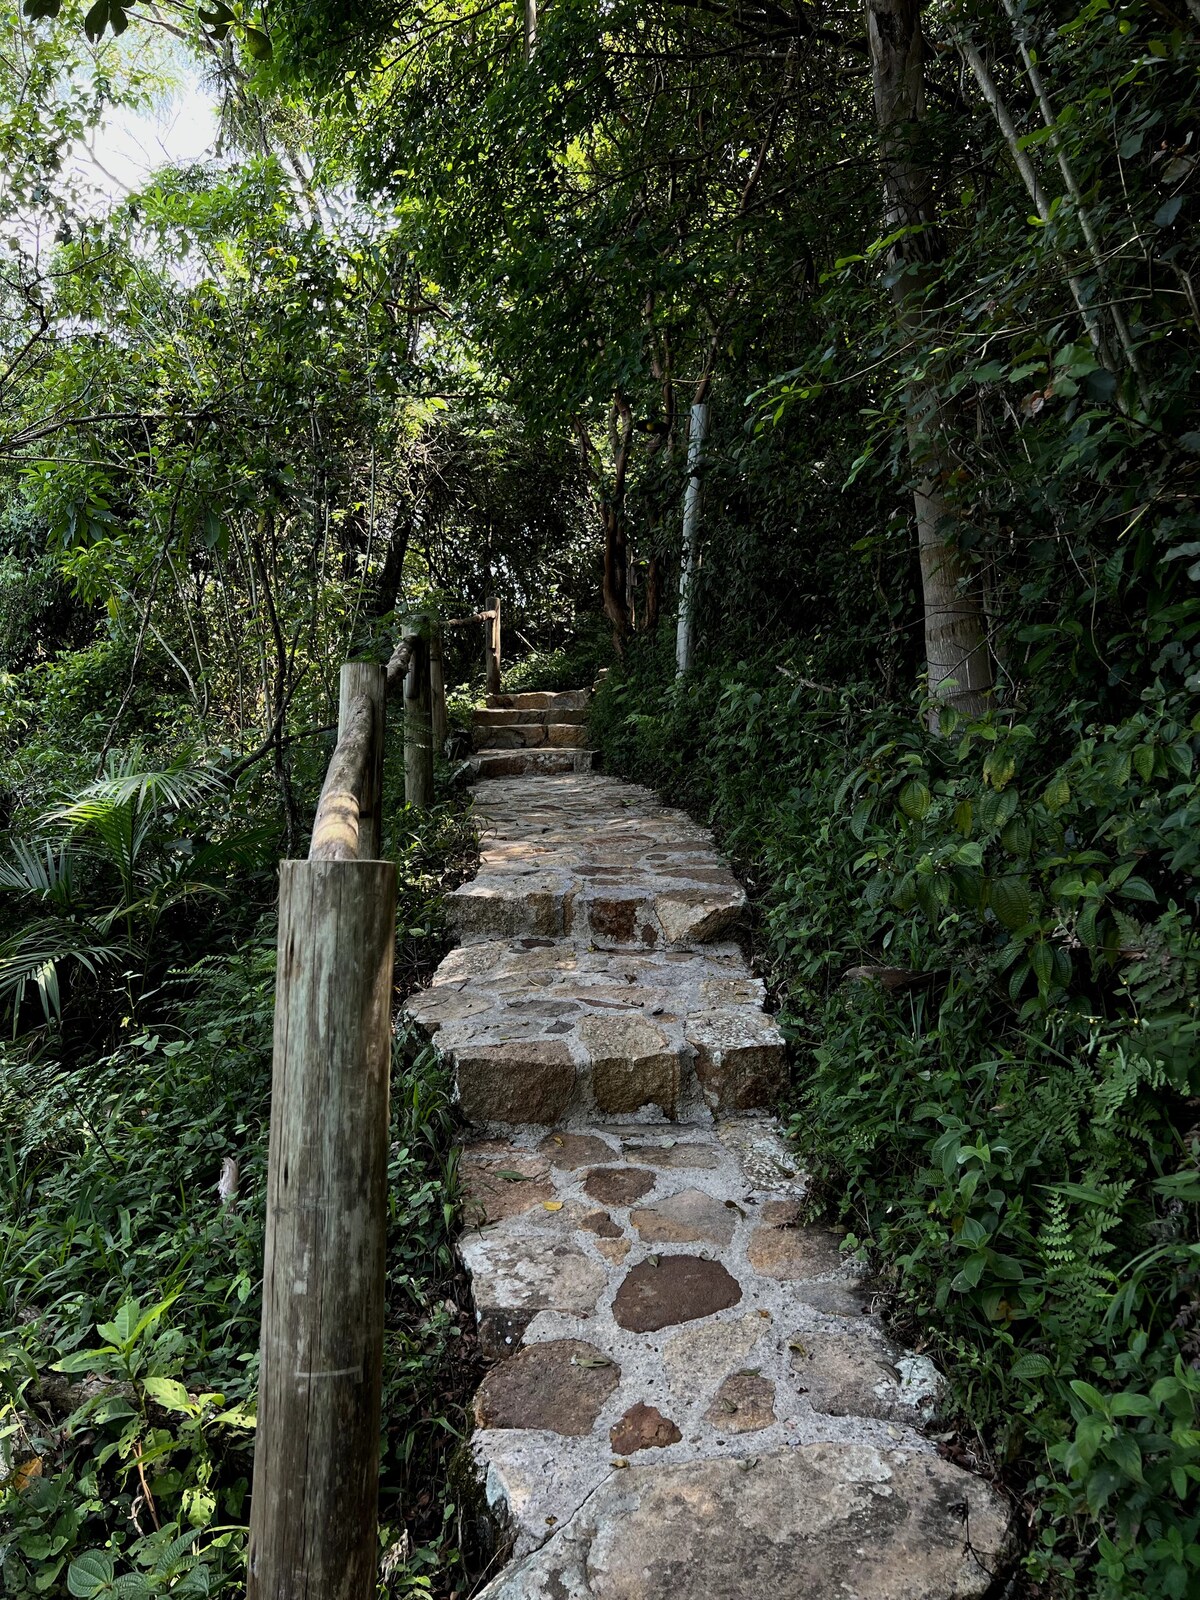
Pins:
<point x="418" y="731"/>
<point x="316" y="1460"/>
<point x="437" y="692"/>
<point x="491" y="645"/>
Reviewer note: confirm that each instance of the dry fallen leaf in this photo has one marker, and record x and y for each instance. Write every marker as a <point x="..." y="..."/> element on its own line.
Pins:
<point x="590" y="1361"/>
<point x="512" y="1177"/>
<point x="798" y="1346"/>
<point x="24" y="1475"/>
<point x="552" y="1205"/>
<point x="619" y="1461"/>
<point x="651" y="1261"/>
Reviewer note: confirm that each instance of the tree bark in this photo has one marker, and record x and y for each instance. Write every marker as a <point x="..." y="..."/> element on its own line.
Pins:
<point x="956" y="651"/>
<point x="387" y="586"/>
<point x="418" y="730"/>
<point x="685" y="629"/>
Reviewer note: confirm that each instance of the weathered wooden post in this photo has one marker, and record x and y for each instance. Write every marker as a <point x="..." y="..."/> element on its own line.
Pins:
<point x="418" y="730"/>
<point x="491" y="644"/>
<point x="437" y="691"/>
<point x="316" y="1460"/>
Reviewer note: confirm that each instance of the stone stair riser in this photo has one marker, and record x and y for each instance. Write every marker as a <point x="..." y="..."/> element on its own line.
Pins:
<point x="610" y="922"/>
<point x="506" y="719"/>
<point x="527" y="763"/>
<point x="541" y="700"/>
<point x="516" y="736"/>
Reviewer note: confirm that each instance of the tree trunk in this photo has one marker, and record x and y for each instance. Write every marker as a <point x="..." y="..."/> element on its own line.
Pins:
<point x="418" y="730"/>
<point x="387" y="586"/>
<point x="653" y="594"/>
<point x="685" y="629"/>
<point x="956" y="649"/>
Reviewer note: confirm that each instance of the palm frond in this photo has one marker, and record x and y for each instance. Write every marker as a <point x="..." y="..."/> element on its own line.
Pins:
<point x="35" y="955"/>
<point x="172" y="788"/>
<point x="40" y="871"/>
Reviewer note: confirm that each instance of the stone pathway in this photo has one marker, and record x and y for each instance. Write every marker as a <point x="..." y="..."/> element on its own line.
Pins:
<point x="689" y="1396"/>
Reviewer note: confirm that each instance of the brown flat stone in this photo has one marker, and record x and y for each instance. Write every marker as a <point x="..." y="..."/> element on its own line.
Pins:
<point x="601" y="1224"/>
<point x="685" y="1218"/>
<point x="643" y="1427"/>
<point x="781" y="1248"/>
<point x="552" y="1386"/>
<point x="573" y="1150"/>
<point x="487" y="1197"/>
<point x="671" y="1157"/>
<point x="618" y="1186"/>
<point x="678" y="1289"/>
<point x="529" y="1082"/>
<point x="745" y="1403"/>
<point x="611" y="918"/>
<point x="614" y="1250"/>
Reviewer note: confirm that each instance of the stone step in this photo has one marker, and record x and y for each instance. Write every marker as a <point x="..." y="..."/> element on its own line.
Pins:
<point x="526" y="763"/>
<point x="541" y="700"/>
<point x="488" y="718"/>
<point x="549" y="1031"/>
<point x="595" y="859"/>
<point x="530" y="735"/>
<point x="689" y="1396"/>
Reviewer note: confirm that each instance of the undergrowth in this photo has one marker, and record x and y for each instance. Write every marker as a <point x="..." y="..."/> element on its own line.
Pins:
<point x="984" y="950"/>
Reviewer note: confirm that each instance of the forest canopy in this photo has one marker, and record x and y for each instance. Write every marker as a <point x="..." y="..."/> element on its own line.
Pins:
<point x="827" y="371"/>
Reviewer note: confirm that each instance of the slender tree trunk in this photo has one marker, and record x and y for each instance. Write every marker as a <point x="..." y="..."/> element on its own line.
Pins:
<point x="956" y="651"/>
<point x="685" y="629"/>
<point x="653" y="595"/>
<point x="387" y="587"/>
<point x="1038" y="85"/>
<point x="531" y="23"/>
<point x="1033" y="187"/>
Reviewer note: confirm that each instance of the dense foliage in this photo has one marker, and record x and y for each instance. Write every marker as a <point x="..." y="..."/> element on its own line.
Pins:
<point x="432" y="328"/>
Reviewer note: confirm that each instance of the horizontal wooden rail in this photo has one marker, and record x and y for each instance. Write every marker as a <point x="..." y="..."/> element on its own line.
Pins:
<point x="461" y="622"/>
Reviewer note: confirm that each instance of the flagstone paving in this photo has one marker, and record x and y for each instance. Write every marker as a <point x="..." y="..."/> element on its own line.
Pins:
<point x="689" y="1395"/>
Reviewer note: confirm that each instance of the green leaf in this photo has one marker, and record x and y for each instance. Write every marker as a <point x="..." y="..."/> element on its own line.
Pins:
<point x="1137" y="889"/>
<point x="90" y="1574"/>
<point x="98" y="1360"/>
<point x="257" y="43"/>
<point x="1132" y="1404"/>
<point x="169" y="1393"/>
<point x="1012" y="903"/>
<point x="1090" y="1396"/>
<point x="914" y="800"/>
